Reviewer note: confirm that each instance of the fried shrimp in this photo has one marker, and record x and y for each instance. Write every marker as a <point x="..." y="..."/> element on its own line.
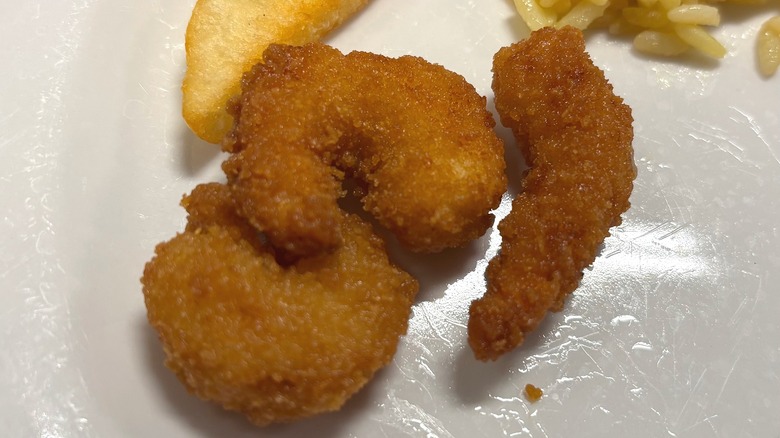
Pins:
<point x="576" y="136"/>
<point x="274" y="343"/>
<point x="416" y="138"/>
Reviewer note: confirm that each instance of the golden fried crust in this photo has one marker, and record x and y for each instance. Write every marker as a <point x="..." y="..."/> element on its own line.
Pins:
<point x="576" y="136"/>
<point x="416" y="137"/>
<point x="275" y="343"/>
<point x="225" y="38"/>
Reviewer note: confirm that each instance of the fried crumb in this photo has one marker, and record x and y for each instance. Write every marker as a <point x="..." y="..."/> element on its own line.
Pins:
<point x="532" y="393"/>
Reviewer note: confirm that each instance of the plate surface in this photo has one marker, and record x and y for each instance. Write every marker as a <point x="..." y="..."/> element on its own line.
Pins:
<point x="673" y="332"/>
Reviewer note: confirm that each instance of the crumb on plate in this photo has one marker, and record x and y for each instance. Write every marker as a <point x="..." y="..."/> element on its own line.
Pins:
<point x="532" y="393"/>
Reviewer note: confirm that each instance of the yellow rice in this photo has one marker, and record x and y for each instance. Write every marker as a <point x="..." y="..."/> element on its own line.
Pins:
<point x="660" y="27"/>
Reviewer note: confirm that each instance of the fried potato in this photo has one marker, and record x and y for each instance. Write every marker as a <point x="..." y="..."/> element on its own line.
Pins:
<point x="226" y="37"/>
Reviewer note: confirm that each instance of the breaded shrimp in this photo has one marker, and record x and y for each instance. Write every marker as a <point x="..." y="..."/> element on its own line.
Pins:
<point x="576" y="136"/>
<point x="416" y="137"/>
<point x="274" y="343"/>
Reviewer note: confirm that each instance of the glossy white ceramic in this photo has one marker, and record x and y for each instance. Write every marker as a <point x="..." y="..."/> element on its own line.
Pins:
<point x="673" y="332"/>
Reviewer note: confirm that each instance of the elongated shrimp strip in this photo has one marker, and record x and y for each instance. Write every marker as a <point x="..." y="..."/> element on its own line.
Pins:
<point x="576" y="136"/>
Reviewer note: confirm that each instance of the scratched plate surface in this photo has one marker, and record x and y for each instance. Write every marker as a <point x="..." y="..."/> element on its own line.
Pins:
<point x="673" y="332"/>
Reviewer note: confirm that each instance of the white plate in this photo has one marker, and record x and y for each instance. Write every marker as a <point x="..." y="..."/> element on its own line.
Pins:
<point x="674" y="331"/>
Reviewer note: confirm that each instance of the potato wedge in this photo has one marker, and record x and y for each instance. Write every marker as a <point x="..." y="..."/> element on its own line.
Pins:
<point x="226" y="37"/>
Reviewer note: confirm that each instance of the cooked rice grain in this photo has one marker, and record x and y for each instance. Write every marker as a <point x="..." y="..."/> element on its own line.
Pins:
<point x="695" y="14"/>
<point x="661" y="27"/>
<point x="660" y="43"/>
<point x="699" y="39"/>
<point x="769" y="46"/>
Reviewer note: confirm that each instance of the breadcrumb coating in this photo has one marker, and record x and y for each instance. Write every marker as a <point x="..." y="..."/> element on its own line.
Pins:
<point x="416" y="138"/>
<point x="274" y="342"/>
<point x="576" y="136"/>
